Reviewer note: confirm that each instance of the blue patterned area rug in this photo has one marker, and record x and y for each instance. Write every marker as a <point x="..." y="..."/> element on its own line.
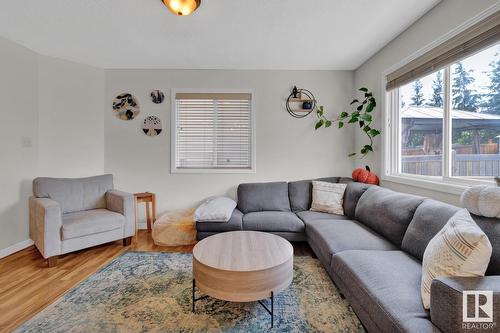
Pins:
<point x="151" y="292"/>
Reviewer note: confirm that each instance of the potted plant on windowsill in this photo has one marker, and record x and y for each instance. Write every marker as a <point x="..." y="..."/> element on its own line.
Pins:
<point x="362" y="116"/>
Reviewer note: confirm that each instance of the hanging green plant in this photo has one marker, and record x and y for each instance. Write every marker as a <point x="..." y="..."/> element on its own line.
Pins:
<point x="361" y="116"/>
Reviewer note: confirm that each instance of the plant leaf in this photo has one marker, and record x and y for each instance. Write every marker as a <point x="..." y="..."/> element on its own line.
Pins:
<point x="373" y="133"/>
<point x="359" y="108"/>
<point x="361" y="124"/>
<point x="328" y="123"/>
<point x="363" y="89"/>
<point x="352" y="154"/>
<point x="319" y="124"/>
<point x="369" y="107"/>
<point x="353" y="120"/>
<point x="341" y="124"/>
<point x="366" y="128"/>
<point x="354" y="101"/>
<point x="344" y="114"/>
<point x="366" y="117"/>
<point x="368" y="147"/>
<point x="364" y="151"/>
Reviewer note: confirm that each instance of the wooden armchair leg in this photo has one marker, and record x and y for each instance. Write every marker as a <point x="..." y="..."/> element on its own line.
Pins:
<point x="127" y="241"/>
<point x="52" y="261"/>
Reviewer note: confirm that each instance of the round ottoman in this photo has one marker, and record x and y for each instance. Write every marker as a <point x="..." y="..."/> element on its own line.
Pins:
<point x="175" y="228"/>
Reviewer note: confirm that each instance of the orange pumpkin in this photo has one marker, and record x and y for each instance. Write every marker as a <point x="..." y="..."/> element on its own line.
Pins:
<point x="365" y="176"/>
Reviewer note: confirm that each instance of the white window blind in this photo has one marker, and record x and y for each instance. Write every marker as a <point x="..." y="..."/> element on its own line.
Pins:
<point x="213" y="131"/>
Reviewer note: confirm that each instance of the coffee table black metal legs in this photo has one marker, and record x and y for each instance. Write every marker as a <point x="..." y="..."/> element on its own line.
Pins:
<point x="269" y="310"/>
<point x="194" y="295"/>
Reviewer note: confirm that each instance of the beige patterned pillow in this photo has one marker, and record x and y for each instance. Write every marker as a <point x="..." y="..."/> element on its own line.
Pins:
<point x="461" y="248"/>
<point x="328" y="197"/>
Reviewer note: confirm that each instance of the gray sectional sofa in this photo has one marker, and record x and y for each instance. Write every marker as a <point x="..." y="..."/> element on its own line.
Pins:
<point x="373" y="253"/>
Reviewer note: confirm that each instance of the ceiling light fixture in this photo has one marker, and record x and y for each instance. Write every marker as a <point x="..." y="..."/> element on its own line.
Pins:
<point x="182" y="7"/>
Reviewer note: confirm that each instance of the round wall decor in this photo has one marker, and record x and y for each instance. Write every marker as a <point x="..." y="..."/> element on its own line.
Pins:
<point x="152" y="126"/>
<point x="126" y="106"/>
<point x="300" y="103"/>
<point x="157" y="96"/>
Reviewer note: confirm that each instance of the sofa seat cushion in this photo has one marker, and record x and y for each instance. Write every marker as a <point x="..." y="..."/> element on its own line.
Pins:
<point x="273" y="221"/>
<point x="387" y="283"/>
<point x="90" y="222"/>
<point x="235" y="223"/>
<point x="308" y="216"/>
<point x="331" y="236"/>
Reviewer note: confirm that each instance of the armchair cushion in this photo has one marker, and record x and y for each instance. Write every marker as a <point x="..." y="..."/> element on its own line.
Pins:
<point x="90" y="222"/>
<point x="74" y="194"/>
<point x="447" y="300"/>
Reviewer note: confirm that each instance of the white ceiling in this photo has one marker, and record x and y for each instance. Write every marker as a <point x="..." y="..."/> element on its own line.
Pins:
<point x="221" y="34"/>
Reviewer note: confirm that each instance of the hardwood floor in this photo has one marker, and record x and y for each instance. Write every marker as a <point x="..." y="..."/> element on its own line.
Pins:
<point x="27" y="285"/>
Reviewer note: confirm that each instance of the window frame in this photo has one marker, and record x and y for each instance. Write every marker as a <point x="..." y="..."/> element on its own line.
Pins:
<point x="253" y="148"/>
<point x="391" y="140"/>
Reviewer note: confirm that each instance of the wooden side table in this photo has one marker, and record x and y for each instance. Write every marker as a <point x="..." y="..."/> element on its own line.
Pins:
<point x="147" y="198"/>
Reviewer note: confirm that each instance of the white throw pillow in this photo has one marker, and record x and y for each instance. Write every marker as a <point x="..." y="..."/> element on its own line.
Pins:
<point x="482" y="200"/>
<point x="328" y="197"/>
<point x="215" y="209"/>
<point x="461" y="248"/>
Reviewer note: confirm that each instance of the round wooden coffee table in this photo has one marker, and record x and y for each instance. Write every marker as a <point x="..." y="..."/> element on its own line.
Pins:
<point x="242" y="266"/>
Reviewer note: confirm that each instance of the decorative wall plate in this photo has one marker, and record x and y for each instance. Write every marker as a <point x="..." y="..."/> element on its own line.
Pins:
<point x="157" y="96"/>
<point x="152" y="126"/>
<point x="126" y="106"/>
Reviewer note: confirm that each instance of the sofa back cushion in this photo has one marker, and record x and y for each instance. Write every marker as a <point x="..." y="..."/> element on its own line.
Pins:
<point x="353" y="192"/>
<point x="491" y="227"/>
<point x="300" y="192"/>
<point x="74" y="194"/>
<point x="429" y="218"/>
<point x="257" y="197"/>
<point x="387" y="212"/>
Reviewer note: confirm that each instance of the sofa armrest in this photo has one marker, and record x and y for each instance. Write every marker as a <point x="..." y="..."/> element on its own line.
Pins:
<point x="123" y="203"/>
<point x="447" y="301"/>
<point x="45" y="225"/>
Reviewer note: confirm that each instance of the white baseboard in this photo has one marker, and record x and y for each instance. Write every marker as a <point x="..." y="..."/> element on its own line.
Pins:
<point x="142" y="226"/>
<point x="15" y="248"/>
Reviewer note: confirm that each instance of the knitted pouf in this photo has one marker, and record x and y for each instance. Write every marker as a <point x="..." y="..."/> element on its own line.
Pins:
<point x="175" y="228"/>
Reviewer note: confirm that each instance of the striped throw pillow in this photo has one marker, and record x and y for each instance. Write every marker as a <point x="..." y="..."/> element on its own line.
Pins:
<point x="328" y="197"/>
<point x="461" y="248"/>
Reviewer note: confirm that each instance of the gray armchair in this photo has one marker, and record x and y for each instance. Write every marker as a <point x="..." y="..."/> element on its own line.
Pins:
<point x="67" y="215"/>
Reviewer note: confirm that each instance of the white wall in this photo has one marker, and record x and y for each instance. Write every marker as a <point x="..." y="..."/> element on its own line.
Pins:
<point x="71" y="119"/>
<point x="446" y="16"/>
<point x="19" y="111"/>
<point x="52" y="125"/>
<point x="287" y="148"/>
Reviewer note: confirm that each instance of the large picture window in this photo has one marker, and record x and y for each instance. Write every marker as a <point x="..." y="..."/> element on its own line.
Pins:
<point x="445" y="116"/>
<point x="212" y="132"/>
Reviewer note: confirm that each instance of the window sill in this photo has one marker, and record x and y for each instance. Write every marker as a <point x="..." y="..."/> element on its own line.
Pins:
<point x="213" y="171"/>
<point x="450" y="186"/>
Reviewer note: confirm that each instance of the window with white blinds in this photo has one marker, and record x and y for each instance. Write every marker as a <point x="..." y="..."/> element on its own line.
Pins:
<point x="213" y="131"/>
